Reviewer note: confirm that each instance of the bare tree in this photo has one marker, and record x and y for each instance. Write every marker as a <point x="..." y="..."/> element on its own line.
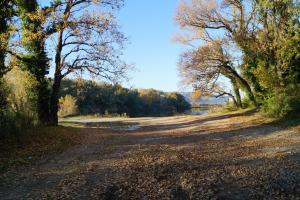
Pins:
<point x="86" y="39"/>
<point x="204" y="66"/>
<point x="235" y="17"/>
<point x="215" y="24"/>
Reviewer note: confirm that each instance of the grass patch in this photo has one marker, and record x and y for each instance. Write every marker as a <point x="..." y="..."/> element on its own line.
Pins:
<point x="34" y="143"/>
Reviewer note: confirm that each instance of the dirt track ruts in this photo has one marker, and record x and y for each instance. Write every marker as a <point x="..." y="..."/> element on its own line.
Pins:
<point x="233" y="156"/>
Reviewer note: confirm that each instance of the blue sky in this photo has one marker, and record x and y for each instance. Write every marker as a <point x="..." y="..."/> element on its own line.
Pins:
<point x="150" y="26"/>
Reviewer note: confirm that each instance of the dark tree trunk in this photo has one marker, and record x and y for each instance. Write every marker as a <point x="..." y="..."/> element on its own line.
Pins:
<point x="254" y="83"/>
<point x="56" y="82"/>
<point x="54" y="100"/>
<point x="43" y="91"/>
<point x="234" y="101"/>
<point x="43" y="102"/>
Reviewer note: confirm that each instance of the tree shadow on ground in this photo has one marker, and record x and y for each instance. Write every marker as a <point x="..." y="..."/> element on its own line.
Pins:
<point x="198" y="136"/>
<point x="205" y="163"/>
<point x="101" y="125"/>
<point x="200" y="121"/>
<point x="216" y="178"/>
<point x="289" y="121"/>
<point x="161" y="127"/>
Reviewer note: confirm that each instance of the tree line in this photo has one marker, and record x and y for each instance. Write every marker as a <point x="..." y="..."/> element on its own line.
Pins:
<point x="72" y="36"/>
<point x="89" y="97"/>
<point x="253" y="45"/>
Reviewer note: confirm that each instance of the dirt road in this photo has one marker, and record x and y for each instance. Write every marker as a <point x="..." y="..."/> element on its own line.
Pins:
<point x="234" y="156"/>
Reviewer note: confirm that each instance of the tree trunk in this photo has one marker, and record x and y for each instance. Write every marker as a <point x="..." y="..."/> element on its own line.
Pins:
<point x="54" y="100"/>
<point x="43" y="102"/>
<point x="237" y="94"/>
<point x="36" y="60"/>
<point x="242" y="82"/>
<point x="234" y="101"/>
<point x="56" y="82"/>
<point x="247" y="87"/>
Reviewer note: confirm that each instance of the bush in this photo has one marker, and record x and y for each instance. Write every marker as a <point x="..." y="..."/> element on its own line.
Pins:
<point x="67" y="106"/>
<point x="7" y="124"/>
<point x="22" y="97"/>
<point x="18" y="102"/>
<point x="285" y="102"/>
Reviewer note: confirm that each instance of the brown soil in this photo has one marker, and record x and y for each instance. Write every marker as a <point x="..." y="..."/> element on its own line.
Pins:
<point x="233" y="156"/>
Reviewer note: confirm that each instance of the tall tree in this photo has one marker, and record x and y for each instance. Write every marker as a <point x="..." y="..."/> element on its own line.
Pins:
<point x="277" y="39"/>
<point x="203" y="67"/>
<point x="87" y="40"/>
<point x="232" y="20"/>
<point x="6" y="13"/>
<point x="35" y="59"/>
<point x="267" y="35"/>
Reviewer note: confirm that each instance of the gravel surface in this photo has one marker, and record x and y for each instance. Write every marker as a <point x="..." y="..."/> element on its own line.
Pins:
<point x="233" y="156"/>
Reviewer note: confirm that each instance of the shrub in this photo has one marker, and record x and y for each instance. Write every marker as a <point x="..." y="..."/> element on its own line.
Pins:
<point x="18" y="102"/>
<point x="22" y="97"/>
<point x="284" y="102"/>
<point x="67" y="106"/>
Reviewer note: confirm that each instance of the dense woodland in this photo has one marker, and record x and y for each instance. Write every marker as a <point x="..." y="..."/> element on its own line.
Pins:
<point x="89" y="97"/>
<point x="72" y="36"/>
<point x="252" y="44"/>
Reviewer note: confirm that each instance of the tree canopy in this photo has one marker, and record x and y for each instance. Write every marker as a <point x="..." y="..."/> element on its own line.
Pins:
<point x="249" y="43"/>
<point x="103" y="98"/>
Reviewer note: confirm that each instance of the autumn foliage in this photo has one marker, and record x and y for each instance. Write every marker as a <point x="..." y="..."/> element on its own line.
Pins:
<point x="250" y="45"/>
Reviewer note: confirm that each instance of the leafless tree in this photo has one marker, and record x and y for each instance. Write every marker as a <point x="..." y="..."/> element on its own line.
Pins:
<point x="235" y="17"/>
<point x="216" y="24"/>
<point x="204" y="66"/>
<point x="86" y="39"/>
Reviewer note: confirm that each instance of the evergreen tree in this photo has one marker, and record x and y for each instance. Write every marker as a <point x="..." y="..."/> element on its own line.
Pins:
<point x="35" y="61"/>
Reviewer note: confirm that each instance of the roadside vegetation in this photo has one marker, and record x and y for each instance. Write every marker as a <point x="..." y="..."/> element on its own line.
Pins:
<point x="248" y="52"/>
<point x="83" y="42"/>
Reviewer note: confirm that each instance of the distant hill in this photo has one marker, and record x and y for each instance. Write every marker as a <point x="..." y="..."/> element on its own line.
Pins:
<point x="204" y="100"/>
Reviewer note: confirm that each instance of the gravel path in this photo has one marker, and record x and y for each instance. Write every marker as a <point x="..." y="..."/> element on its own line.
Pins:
<point x="234" y="156"/>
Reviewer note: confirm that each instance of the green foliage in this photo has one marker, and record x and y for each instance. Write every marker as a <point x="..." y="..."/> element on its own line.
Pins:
<point x="3" y="95"/>
<point x="277" y="69"/>
<point x="178" y="102"/>
<point x="67" y="106"/>
<point x="35" y="60"/>
<point x="107" y="99"/>
<point x="7" y="118"/>
<point x="266" y="32"/>
<point x="283" y="103"/>
<point x="20" y="110"/>
<point x="6" y="13"/>
<point x="22" y="96"/>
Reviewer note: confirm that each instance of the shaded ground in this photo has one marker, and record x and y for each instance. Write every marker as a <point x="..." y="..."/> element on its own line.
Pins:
<point x="233" y="156"/>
